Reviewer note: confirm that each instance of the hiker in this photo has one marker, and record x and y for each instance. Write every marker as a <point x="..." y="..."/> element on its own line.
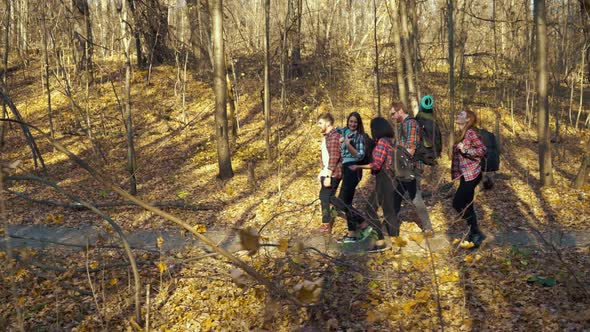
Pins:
<point x="467" y="154"/>
<point x="352" y="149"/>
<point x="408" y="135"/>
<point x="331" y="172"/>
<point x="382" y="196"/>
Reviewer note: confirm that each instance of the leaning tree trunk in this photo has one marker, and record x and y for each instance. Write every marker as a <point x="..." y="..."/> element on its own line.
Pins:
<point x="545" y="167"/>
<point x="399" y="65"/>
<point x="296" y="42"/>
<point x="131" y="160"/>
<point x="220" y="89"/>
<point x="266" y="80"/>
<point x="5" y="66"/>
<point x="451" y="31"/>
<point x="584" y="168"/>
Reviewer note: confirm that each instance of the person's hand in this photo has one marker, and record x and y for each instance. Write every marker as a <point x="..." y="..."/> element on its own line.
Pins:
<point x="327" y="181"/>
<point x="341" y="139"/>
<point x="346" y="140"/>
<point x="353" y="167"/>
<point x="461" y="146"/>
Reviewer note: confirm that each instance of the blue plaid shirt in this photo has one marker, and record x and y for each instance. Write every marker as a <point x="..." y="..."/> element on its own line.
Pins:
<point x="358" y="141"/>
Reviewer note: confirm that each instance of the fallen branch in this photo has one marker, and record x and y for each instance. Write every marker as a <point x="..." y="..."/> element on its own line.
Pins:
<point x="104" y="216"/>
<point x="77" y="206"/>
<point x="271" y="286"/>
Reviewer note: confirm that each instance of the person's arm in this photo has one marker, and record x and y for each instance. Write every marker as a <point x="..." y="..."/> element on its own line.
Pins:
<point x="473" y="146"/>
<point x="412" y="136"/>
<point x="379" y="157"/>
<point x="358" y="151"/>
<point x="333" y="145"/>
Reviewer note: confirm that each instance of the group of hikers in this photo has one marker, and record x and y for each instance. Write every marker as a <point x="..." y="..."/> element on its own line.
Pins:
<point x="397" y="158"/>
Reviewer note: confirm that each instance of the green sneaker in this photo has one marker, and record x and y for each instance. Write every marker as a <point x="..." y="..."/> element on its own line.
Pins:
<point x="365" y="233"/>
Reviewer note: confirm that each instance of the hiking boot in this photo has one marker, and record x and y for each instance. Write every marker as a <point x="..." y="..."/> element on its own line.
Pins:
<point x="477" y="238"/>
<point x="348" y="239"/>
<point x="365" y="233"/>
<point x="325" y="229"/>
<point x="380" y="246"/>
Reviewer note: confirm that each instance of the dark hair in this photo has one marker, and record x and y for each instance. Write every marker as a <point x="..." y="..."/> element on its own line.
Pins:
<point x="360" y="127"/>
<point x="380" y="127"/>
<point x="326" y="116"/>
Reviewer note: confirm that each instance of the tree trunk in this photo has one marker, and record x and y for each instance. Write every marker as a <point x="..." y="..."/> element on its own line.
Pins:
<point x="138" y="51"/>
<point x="296" y="50"/>
<point x="451" y="30"/>
<point x="412" y="96"/>
<point x="5" y="66"/>
<point x="580" y="179"/>
<point x="266" y="80"/>
<point x="131" y="159"/>
<point x="220" y="89"/>
<point x="376" y="69"/>
<point x="399" y="65"/>
<point x="543" y="134"/>
<point x="46" y="70"/>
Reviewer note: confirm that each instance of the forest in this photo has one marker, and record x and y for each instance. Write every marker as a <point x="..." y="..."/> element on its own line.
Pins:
<point x="185" y="165"/>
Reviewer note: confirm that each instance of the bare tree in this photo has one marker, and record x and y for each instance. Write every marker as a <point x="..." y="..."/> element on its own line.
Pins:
<point x="584" y="168"/>
<point x="406" y="45"/>
<point x="545" y="167"/>
<point x="220" y="90"/>
<point x="266" y="80"/>
<point x="399" y="65"/>
<point x="5" y="67"/>
<point x="46" y="67"/>
<point x="126" y="41"/>
<point x="451" y="31"/>
<point x="376" y="68"/>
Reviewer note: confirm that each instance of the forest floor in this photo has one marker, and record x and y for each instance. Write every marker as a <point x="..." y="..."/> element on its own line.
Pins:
<point x="537" y="284"/>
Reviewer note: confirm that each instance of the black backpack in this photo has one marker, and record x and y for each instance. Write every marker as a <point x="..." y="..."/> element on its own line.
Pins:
<point x="369" y="147"/>
<point x="491" y="161"/>
<point x="430" y="147"/>
<point x="402" y="165"/>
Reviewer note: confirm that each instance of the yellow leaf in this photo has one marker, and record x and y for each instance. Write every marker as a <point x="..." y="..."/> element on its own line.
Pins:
<point x="455" y="241"/>
<point x="93" y="265"/>
<point x="416" y="237"/>
<point x="449" y="277"/>
<point x="466" y="245"/>
<point x="159" y="242"/>
<point x="477" y="257"/>
<point x="21" y="301"/>
<point x="468" y="259"/>
<point x="283" y="245"/>
<point x="114" y="282"/>
<point x="358" y="277"/>
<point x="408" y="306"/>
<point x="399" y="241"/>
<point x="162" y="266"/>
<point x="201" y="229"/>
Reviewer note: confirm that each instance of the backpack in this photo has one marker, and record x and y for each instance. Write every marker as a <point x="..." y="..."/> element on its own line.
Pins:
<point x="369" y="147"/>
<point x="491" y="161"/>
<point x="402" y="165"/>
<point x="430" y="147"/>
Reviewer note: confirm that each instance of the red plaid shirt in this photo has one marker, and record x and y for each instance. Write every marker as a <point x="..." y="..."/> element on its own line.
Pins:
<point x="466" y="163"/>
<point x="382" y="155"/>
<point x="409" y="136"/>
<point x="333" y="145"/>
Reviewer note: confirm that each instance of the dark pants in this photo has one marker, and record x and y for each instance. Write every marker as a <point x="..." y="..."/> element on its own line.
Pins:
<point x="327" y="195"/>
<point x="382" y="197"/>
<point x="350" y="180"/>
<point x="463" y="201"/>
<point x="411" y="187"/>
